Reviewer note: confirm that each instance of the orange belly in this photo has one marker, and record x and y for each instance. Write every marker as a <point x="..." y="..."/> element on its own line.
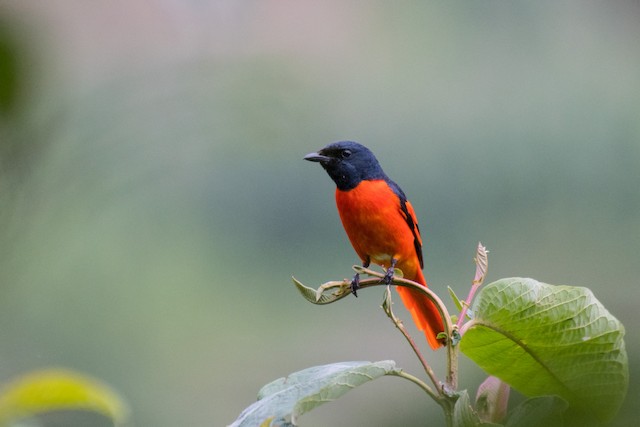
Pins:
<point x="372" y="217"/>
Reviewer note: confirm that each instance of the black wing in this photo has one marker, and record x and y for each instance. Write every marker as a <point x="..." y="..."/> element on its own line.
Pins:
<point x="413" y="225"/>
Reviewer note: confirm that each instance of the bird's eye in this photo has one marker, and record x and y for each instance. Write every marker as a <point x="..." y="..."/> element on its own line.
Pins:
<point x="345" y="153"/>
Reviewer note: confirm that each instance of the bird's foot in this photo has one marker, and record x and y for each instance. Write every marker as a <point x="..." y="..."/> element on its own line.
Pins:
<point x="355" y="285"/>
<point x="389" y="274"/>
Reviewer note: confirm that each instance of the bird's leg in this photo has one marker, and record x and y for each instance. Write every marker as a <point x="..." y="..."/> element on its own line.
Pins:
<point x="389" y="274"/>
<point x="355" y="283"/>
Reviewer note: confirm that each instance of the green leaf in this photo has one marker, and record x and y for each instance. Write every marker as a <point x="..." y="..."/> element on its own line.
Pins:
<point x="318" y="296"/>
<point x="464" y="414"/>
<point x="455" y="298"/>
<point x="302" y="391"/>
<point x="537" y="411"/>
<point x="58" y="389"/>
<point x="543" y="339"/>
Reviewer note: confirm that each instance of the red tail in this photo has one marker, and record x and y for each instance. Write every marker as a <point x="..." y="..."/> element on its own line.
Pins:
<point x="424" y="312"/>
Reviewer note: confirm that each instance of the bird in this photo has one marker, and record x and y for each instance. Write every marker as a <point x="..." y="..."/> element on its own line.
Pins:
<point x="381" y="225"/>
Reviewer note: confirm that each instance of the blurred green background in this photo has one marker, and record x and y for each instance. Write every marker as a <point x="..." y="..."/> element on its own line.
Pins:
<point x="154" y="202"/>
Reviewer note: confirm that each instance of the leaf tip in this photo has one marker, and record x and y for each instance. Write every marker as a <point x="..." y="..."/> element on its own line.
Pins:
<point x="482" y="263"/>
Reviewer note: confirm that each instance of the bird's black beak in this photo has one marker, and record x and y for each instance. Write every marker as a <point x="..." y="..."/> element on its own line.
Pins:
<point x="317" y="157"/>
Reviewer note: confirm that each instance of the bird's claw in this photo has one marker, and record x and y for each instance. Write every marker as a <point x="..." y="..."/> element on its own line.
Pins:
<point x="388" y="276"/>
<point x="355" y="285"/>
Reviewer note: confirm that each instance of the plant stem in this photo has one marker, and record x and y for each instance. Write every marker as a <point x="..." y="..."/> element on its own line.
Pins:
<point x="445" y="402"/>
<point x="444" y="394"/>
<point x="482" y="263"/>
<point x="451" y="381"/>
<point x="448" y="413"/>
<point x="419" y="383"/>
<point x="386" y="305"/>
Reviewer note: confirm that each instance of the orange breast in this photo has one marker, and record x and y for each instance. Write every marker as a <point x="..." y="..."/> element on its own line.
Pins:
<point x="372" y="217"/>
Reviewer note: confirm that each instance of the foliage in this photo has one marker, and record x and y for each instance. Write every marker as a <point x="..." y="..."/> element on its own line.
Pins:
<point x="51" y="390"/>
<point x="302" y="391"/>
<point x="557" y="345"/>
<point x="544" y="339"/>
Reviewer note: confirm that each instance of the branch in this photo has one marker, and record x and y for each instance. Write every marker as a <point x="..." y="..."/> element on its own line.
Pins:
<point x="386" y="306"/>
<point x="418" y="382"/>
<point x="451" y="330"/>
<point x="343" y="289"/>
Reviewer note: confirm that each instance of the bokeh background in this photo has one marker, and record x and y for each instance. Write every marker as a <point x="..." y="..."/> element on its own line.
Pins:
<point x="154" y="202"/>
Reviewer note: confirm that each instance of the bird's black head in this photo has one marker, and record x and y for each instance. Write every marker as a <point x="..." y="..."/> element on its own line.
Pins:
<point x="348" y="163"/>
